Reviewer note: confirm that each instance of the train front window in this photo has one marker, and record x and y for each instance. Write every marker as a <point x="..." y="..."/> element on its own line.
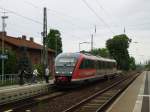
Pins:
<point x="65" y="61"/>
<point x="65" y="65"/>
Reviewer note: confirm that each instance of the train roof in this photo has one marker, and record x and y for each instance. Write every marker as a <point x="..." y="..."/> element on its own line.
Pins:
<point x="86" y="55"/>
<point x="97" y="57"/>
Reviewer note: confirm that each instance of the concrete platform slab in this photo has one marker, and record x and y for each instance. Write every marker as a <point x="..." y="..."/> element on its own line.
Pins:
<point x="22" y="86"/>
<point x="14" y="93"/>
<point x="129" y="100"/>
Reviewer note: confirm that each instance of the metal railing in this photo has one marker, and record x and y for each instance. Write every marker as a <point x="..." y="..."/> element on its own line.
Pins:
<point x="8" y="79"/>
<point x="12" y="79"/>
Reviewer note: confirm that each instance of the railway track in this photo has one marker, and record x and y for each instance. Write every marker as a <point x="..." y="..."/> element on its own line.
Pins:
<point x="99" y="101"/>
<point x="36" y="101"/>
<point x="31" y="101"/>
<point x="49" y="101"/>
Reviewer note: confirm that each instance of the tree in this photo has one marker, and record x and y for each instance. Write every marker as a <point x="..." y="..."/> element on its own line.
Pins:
<point x="103" y="52"/>
<point x="147" y="66"/>
<point x="10" y="63"/>
<point x="54" y="40"/>
<point x="118" y="49"/>
<point x="132" y="63"/>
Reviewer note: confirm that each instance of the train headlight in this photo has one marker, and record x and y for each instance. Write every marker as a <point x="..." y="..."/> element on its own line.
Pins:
<point x="57" y="72"/>
<point x="70" y="72"/>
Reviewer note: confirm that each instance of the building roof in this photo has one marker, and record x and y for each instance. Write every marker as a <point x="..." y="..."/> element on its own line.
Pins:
<point x="22" y="41"/>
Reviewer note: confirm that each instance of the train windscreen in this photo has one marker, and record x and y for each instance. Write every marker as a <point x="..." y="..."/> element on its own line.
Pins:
<point x="65" y="65"/>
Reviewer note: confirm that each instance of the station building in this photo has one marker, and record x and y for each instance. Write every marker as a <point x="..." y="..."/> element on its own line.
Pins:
<point x="34" y="50"/>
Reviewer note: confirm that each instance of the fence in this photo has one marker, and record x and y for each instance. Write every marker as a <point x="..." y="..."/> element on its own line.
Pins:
<point x="9" y="79"/>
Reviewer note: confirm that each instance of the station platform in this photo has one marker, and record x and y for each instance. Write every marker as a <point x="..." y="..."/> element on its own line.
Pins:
<point x="22" y="86"/>
<point x="18" y="92"/>
<point x="136" y="98"/>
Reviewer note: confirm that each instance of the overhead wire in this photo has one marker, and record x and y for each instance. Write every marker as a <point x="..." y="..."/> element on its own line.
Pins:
<point x="20" y="15"/>
<point x="101" y="7"/>
<point x="99" y="18"/>
<point x="58" y="13"/>
<point x="28" y="18"/>
<point x="24" y="17"/>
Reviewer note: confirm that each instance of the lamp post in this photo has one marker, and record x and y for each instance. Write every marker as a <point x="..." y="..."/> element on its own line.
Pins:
<point x="83" y="43"/>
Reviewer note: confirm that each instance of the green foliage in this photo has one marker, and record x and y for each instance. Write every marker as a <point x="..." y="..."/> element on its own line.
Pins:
<point x="54" y="40"/>
<point x="39" y="68"/>
<point x="118" y="49"/>
<point x="103" y="52"/>
<point x="132" y="63"/>
<point x="10" y="63"/>
<point x="147" y="66"/>
<point x="24" y="62"/>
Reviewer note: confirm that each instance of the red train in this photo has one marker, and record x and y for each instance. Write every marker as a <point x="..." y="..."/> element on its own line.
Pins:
<point x="79" y="67"/>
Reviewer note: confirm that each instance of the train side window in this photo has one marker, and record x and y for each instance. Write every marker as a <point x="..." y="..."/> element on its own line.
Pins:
<point x="103" y="65"/>
<point x="114" y="65"/>
<point x="90" y="64"/>
<point x="82" y="65"/>
<point x="111" y="65"/>
<point x="100" y="65"/>
<point x="96" y="64"/>
<point x="106" y="65"/>
<point x="86" y="63"/>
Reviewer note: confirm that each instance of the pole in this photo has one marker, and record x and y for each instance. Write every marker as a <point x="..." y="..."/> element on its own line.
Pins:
<point x="124" y="30"/>
<point x="45" y="50"/>
<point x="79" y="47"/>
<point x="3" y="36"/>
<point x="92" y="42"/>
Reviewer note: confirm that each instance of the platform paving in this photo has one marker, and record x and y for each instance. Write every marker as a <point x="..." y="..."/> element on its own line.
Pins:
<point x="135" y="98"/>
<point x="22" y="86"/>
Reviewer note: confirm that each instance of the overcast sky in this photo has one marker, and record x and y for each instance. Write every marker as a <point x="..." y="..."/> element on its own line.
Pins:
<point x="76" y="20"/>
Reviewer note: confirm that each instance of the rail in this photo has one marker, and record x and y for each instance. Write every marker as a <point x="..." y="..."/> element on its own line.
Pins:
<point x="101" y="99"/>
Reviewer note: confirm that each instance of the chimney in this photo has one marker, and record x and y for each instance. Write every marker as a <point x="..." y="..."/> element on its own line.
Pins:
<point x="31" y="39"/>
<point x="24" y="37"/>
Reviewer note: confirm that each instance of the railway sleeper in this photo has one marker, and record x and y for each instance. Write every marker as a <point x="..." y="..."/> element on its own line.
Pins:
<point x="93" y="104"/>
<point x="98" y="101"/>
<point x="87" y="110"/>
<point x="96" y="104"/>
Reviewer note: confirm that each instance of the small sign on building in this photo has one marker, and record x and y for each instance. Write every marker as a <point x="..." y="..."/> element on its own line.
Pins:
<point x="3" y="56"/>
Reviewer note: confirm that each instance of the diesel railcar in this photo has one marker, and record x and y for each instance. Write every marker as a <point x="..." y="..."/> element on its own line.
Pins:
<point x="80" y="67"/>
